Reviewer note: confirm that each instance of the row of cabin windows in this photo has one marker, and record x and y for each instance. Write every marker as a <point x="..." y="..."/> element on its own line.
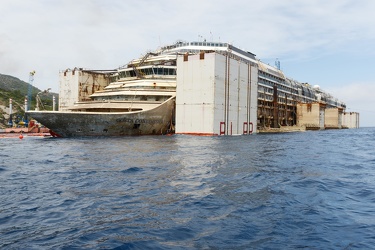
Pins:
<point x="281" y="82"/>
<point x="305" y="91"/>
<point x="262" y="96"/>
<point x="290" y="87"/>
<point x="133" y="98"/>
<point x="148" y="71"/>
<point x="271" y="76"/>
<point x="279" y="86"/>
<point x="265" y="103"/>
<point x="265" y="90"/>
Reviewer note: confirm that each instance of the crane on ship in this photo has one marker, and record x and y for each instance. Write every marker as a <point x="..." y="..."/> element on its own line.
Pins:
<point x="39" y="102"/>
<point x="138" y="73"/>
<point x="31" y="80"/>
<point x="28" y="99"/>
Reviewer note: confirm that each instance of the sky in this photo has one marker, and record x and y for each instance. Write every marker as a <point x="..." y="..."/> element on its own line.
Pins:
<point x="326" y="43"/>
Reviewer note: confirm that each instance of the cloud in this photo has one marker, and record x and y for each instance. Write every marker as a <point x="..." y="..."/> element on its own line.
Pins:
<point x="48" y="36"/>
<point x="359" y="97"/>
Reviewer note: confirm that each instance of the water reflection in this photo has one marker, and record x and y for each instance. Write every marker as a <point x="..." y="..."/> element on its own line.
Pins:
<point x="197" y="161"/>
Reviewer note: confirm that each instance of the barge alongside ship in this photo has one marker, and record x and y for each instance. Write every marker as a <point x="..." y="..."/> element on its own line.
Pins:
<point x="218" y="90"/>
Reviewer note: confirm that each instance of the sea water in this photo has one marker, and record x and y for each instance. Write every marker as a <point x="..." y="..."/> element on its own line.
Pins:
<point x="310" y="190"/>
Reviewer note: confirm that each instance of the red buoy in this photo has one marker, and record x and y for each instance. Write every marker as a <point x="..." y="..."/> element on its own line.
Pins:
<point x="21" y="136"/>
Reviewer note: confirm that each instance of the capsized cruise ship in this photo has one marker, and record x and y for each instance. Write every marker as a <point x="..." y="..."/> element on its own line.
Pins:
<point x="204" y="88"/>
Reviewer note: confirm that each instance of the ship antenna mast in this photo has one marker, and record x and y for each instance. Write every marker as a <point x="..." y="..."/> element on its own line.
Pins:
<point x="277" y="63"/>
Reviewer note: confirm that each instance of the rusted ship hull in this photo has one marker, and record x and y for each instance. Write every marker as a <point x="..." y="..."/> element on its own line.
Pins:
<point x="155" y="121"/>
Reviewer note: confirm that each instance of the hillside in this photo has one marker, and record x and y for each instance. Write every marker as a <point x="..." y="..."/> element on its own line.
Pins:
<point x="12" y="87"/>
